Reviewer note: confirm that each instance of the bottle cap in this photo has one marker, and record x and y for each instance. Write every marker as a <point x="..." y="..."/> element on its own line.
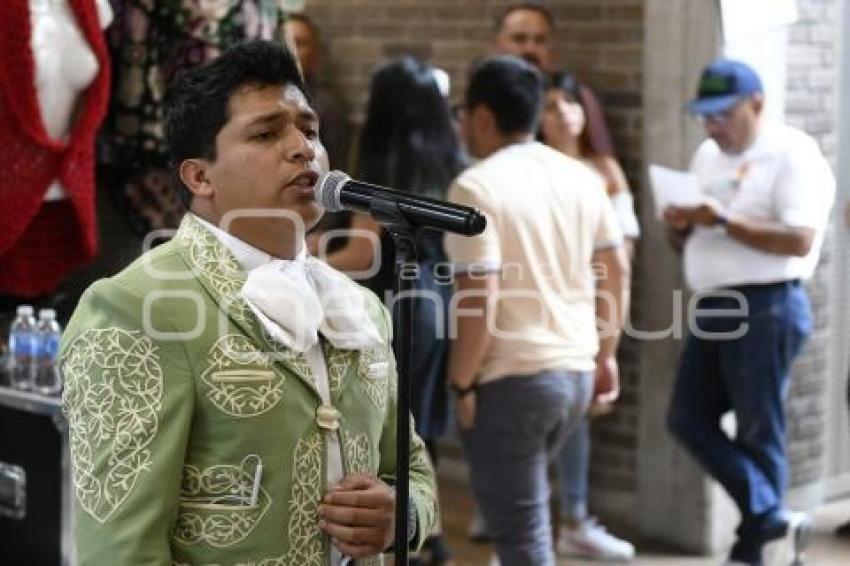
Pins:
<point x="47" y="314"/>
<point x="25" y="310"/>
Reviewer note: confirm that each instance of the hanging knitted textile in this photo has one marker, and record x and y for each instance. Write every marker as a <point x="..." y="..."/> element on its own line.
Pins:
<point x="41" y="242"/>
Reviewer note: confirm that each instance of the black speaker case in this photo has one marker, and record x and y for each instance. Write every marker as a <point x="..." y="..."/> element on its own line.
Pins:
<point x="34" y="439"/>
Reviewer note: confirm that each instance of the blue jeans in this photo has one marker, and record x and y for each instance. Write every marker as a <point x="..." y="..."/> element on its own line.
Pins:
<point x="573" y="467"/>
<point x="519" y="422"/>
<point x="748" y="375"/>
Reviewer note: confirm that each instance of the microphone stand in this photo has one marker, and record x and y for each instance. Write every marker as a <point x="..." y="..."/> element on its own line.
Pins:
<point x="407" y="237"/>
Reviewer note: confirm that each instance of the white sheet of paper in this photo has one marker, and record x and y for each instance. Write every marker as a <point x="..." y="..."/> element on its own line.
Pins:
<point x="672" y="187"/>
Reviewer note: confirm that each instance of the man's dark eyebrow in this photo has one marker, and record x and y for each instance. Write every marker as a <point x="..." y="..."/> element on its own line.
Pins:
<point x="265" y="119"/>
<point x="308" y="115"/>
<point x="303" y="114"/>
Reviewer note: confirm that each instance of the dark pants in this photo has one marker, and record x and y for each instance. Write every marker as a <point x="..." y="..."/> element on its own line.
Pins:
<point x="520" y="422"/>
<point x="748" y="375"/>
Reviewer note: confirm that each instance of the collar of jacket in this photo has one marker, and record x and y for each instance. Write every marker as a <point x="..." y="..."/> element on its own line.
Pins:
<point x="221" y="275"/>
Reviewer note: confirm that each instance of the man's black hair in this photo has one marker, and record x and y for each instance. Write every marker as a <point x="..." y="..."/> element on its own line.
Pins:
<point x="511" y="88"/>
<point x="533" y="6"/>
<point x="197" y="103"/>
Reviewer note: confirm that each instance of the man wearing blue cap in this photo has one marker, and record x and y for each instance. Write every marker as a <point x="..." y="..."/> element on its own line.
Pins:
<point x="746" y="250"/>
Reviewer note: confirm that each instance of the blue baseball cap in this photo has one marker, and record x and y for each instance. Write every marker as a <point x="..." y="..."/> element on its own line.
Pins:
<point x="722" y="84"/>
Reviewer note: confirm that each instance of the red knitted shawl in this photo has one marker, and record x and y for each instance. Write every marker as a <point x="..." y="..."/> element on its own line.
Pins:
<point x="40" y="244"/>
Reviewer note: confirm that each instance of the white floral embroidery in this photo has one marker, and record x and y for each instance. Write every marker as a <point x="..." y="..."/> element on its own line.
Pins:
<point x="201" y="519"/>
<point x="241" y="379"/>
<point x="276" y="561"/>
<point x="217" y="265"/>
<point x="373" y="369"/>
<point x="113" y="396"/>
<point x="423" y="497"/>
<point x="338" y="363"/>
<point x="306" y="548"/>
<point x="357" y="453"/>
<point x="295" y="361"/>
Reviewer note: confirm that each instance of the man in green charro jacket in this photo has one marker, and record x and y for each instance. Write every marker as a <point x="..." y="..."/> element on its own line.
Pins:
<point x="231" y="400"/>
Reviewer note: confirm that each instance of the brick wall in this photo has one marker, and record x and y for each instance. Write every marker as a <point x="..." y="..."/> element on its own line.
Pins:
<point x="600" y="41"/>
<point x="812" y="102"/>
<point x="812" y="106"/>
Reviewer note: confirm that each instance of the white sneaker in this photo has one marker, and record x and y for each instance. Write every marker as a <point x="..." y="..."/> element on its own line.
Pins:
<point x="477" y="529"/>
<point x="790" y="548"/>
<point x="799" y="531"/>
<point x="592" y="542"/>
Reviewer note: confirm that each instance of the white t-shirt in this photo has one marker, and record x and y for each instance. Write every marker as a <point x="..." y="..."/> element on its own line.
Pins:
<point x="546" y="216"/>
<point x="783" y="177"/>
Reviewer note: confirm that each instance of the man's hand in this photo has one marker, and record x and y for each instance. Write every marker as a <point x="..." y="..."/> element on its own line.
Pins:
<point x="706" y="214"/>
<point x="359" y="515"/>
<point x="607" y="383"/>
<point x="677" y="218"/>
<point x="465" y="410"/>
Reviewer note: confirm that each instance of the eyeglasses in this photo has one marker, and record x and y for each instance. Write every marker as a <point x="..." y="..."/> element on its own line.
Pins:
<point x="721" y="117"/>
<point x="718" y="118"/>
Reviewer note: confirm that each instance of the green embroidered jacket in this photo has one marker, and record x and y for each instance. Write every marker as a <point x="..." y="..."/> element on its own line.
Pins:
<point x="171" y="383"/>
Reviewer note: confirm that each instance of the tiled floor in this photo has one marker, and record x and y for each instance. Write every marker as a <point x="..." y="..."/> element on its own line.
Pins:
<point x="825" y="550"/>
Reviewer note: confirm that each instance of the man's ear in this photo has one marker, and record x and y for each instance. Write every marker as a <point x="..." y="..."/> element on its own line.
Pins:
<point x="193" y="173"/>
<point x="482" y="118"/>
<point x="758" y="102"/>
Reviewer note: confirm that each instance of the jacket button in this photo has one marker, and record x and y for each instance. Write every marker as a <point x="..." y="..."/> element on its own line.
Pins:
<point x="327" y="417"/>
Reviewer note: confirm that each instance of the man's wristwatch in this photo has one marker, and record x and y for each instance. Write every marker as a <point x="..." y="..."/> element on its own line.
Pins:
<point x="721" y="220"/>
<point x="461" y="392"/>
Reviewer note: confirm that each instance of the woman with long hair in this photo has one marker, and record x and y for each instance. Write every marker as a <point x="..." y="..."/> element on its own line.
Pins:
<point x="564" y="127"/>
<point x="409" y="143"/>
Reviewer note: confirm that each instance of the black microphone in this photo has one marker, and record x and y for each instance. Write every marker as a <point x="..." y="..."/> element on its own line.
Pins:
<point x="336" y="191"/>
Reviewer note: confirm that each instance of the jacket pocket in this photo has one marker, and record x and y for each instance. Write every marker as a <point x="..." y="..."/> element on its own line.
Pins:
<point x="215" y="506"/>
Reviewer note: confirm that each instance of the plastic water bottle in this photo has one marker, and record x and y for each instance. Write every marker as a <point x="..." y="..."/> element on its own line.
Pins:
<point x="22" y="348"/>
<point x="47" y="380"/>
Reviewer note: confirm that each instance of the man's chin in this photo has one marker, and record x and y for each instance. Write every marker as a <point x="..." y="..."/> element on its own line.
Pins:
<point x="533" y="60"/>
<point x="729" y="148"/>
<point x="311" y="213"/>
<point x="723" y="144"/>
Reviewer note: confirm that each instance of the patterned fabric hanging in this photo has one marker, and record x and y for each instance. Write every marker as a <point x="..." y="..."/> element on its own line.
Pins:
<point x="152" y="42"/>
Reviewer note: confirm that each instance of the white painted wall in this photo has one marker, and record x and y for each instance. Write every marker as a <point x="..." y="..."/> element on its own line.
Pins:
<point x="756" y="32"/>
<point x="838" y="420"/>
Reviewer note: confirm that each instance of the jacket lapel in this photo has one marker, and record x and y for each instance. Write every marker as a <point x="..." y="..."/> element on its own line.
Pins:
<point x="218" y="271"/>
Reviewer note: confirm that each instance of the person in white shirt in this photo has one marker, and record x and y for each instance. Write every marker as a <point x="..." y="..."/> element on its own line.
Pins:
<point x="565" y="127"/>
<point x="522" y="363"/>
<point x="747" y="249"/>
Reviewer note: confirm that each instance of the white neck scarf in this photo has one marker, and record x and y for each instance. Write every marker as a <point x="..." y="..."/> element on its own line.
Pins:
<point x="296" y="299"/>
